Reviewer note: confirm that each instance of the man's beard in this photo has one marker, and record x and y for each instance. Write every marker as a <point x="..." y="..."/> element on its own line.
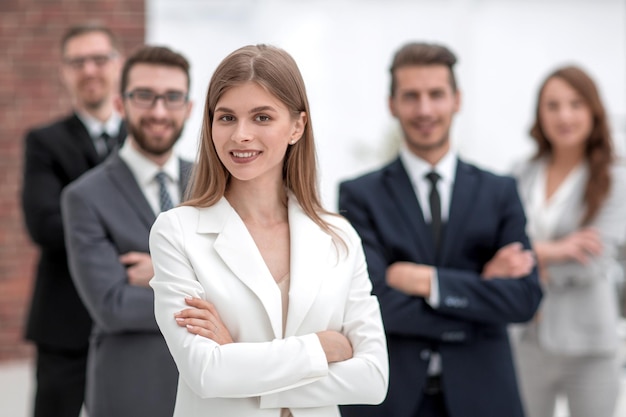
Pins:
<point x="148" y="146"/>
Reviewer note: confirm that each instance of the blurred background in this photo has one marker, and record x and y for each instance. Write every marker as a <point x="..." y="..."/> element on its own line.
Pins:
<point x="344" y="48"/>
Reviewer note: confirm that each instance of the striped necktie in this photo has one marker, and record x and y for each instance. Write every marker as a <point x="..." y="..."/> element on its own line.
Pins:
<point x="165" y="200"/>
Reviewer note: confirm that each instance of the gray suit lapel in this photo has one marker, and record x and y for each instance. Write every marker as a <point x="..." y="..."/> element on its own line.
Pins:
<point x="186" y="169"/>
<point x="125" y="181"/>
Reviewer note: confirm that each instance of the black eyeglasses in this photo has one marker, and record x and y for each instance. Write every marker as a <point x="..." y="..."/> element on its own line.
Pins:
<point x="146" y="99"/>
<point x="100" y="60"/>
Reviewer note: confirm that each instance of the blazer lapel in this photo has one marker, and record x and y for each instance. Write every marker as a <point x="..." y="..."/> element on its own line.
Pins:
<point x="235" y="246"/>
<point x="463" y="192"/>
<point x="84" y="141"/>
<point x="124" y="180"/>
<point x="310" y="251"/>
<point x="401" y="189"/>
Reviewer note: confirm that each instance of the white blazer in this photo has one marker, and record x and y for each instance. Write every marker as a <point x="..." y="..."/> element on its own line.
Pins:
<point x="209" y="253"/>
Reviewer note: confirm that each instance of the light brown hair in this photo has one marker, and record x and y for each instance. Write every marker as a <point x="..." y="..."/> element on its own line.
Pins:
<point x="598" y="149"/>
<point x="276" y="71"/>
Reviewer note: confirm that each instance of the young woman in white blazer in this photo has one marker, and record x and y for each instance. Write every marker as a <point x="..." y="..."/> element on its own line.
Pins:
<point x="575" y="200"/>
<point x="263" y="296"/>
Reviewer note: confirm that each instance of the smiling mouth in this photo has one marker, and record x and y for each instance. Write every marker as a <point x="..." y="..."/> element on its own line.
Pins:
<point x="244" y="154"/>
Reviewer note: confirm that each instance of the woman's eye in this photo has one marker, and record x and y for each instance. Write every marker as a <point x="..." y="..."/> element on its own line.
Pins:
<point x="262" y="118"/>
<point x="226" y="118"/>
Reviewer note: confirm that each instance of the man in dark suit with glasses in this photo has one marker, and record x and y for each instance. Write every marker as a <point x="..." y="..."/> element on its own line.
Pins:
<point x="56" y="155"/>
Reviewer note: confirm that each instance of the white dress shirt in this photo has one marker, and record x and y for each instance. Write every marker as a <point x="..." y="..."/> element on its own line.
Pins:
<point x="417" y="170"/>
<point x="144" y="171"/>
<point x="95" y="127"/>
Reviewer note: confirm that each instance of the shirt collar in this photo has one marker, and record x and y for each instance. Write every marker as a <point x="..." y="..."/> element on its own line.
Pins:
<point x="144" y="169"/>
<point x="417" y="168"/>
<point x="95" y="127"/>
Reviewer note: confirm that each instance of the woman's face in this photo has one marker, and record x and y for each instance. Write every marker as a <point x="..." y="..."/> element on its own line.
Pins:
<point x="251" y="131"/>
<point x="566" y="118"/>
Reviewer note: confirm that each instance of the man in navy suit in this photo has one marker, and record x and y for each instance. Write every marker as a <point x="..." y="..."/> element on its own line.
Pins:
<point x="447" y="253"/>
<point x="56" y="155"/>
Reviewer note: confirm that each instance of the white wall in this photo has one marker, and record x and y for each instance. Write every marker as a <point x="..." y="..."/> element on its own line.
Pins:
<point x="344" y="48"/>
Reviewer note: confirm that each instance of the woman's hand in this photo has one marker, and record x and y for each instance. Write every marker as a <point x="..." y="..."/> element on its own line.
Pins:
<point x="579" y="246"/>
<point x="336" y="346"/>
<point x="203" y="320"/>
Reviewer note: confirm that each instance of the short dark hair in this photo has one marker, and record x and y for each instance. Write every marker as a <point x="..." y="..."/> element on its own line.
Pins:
<point x="153" y="55"/>
<point x="419" y="53"/>
<point x="89" y="27"/>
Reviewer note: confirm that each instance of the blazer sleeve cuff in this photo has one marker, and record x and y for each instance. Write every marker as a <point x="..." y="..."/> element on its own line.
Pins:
<point x="319" y="369"/>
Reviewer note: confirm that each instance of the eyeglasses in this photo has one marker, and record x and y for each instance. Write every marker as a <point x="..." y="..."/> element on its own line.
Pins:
<point x="146" y="99"/>
<point x="100" y="60"/>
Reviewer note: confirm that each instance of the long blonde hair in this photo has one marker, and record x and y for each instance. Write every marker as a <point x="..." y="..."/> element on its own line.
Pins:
<point x="276" y="71"/>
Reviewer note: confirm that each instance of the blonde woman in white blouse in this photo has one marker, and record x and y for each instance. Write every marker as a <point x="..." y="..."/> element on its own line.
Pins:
<point x="262" y="296"/>
<point x="575" y="200"/>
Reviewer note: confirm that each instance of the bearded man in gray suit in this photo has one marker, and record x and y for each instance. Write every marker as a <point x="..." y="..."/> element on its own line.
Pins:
<point x="107" y="216"/>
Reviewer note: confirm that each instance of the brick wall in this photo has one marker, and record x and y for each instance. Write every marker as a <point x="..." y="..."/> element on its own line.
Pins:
<point x="31" y="94"/>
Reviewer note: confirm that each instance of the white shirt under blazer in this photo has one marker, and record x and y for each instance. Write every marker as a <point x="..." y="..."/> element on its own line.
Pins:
<point x="209" y="253"/>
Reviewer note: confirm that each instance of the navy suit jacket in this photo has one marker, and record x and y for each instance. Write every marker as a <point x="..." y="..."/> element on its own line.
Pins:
<point x="469" y="327"/>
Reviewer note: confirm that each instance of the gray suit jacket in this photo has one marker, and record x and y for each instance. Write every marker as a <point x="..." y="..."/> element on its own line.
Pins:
<point x="130" y="371"/>
<point x="579" y="313"/>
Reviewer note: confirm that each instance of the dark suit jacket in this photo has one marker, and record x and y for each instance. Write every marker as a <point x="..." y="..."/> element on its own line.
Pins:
<point x="468" y="328"/>
<point x="105" y="214"/>
<point x="55" y="155"/>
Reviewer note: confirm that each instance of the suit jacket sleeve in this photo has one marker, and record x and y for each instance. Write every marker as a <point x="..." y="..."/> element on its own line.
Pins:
<point x="114" y="304"/>
<point x="610" y="222"/>
<point x="465" y="298"/>
<point x="503" y="300"/>
<point x="402" y="314"/>
<point x="41" y="192"/>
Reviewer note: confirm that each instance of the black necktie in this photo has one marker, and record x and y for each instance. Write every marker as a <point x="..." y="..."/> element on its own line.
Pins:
<point x="105" y="144"/>
<point x="435" y="207"/>
<point x="165" y="201"/>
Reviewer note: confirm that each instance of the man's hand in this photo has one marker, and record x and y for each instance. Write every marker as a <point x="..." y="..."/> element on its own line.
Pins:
<point x="510" y="261"/>
<point x="138" y="268"/>
<point x="410" y="278"/>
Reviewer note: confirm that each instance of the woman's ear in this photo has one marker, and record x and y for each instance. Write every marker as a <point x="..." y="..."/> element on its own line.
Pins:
<point x="298" y="128"/>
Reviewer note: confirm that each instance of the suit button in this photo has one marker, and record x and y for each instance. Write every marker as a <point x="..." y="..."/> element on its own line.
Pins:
<point x="425" y="354"/>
